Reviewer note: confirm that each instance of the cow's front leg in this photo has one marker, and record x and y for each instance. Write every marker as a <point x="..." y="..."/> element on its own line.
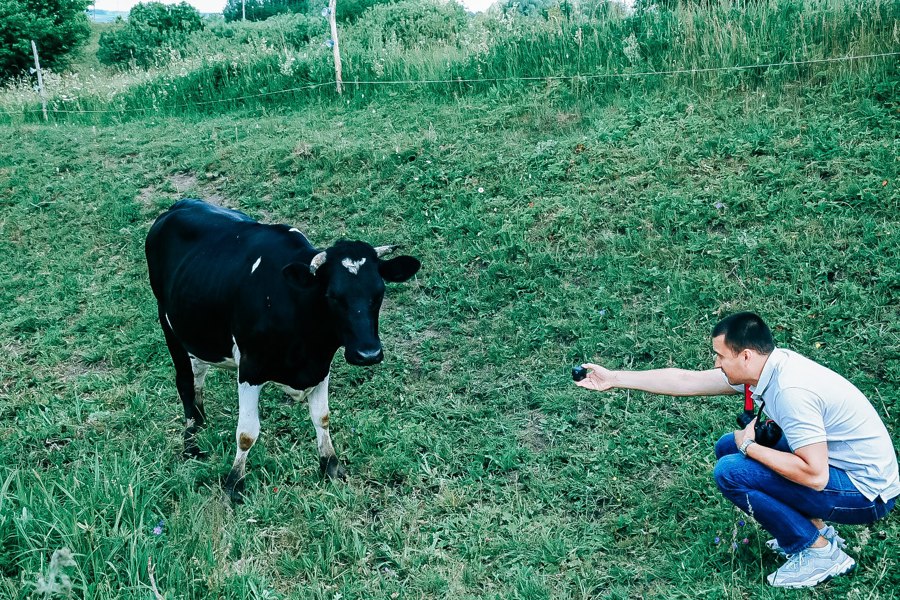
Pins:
<point x="317" y="397"/>
<point x="320" y="415"/>
<point x="247" y="433"/>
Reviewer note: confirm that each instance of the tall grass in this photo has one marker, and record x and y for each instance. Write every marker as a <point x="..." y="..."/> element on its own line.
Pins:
<point x="601" y="49"/>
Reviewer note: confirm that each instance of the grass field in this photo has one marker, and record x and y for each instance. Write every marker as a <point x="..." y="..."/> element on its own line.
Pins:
<point x="552" y="232"/>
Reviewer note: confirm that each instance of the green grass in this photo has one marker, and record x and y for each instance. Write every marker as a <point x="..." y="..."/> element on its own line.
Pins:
<point x="552" y="230"/>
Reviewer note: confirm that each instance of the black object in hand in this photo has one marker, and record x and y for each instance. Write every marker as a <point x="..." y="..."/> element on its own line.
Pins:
<point x="579" y="373"/>
<point x="745" y="417"/>
<point x="767" y="432"/>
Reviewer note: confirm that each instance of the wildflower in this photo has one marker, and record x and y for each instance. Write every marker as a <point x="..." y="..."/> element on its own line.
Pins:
<point x="326" y="11"/>
<point x="159" y="528"/>
<point x="481" y="190"/>
<point x="719" y="206"/>
<point x="275" y="490"/>
<point x="741" y="523"/>
<point x="734" y="545"/>
<point x="717" y="540"/>
<point x="329" y="43"/>
<point x="745" y="541"/>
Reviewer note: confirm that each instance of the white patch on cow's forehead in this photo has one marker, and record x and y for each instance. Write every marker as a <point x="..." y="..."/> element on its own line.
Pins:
<point x="353" y="265"/>
<point x="256" y="264"/>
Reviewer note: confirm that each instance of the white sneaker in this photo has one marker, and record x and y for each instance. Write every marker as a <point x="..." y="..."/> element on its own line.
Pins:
<point x="811" y="567"/>
<point x="828" y="532"/>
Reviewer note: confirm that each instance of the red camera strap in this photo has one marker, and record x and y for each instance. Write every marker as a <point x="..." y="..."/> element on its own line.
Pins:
<point x="748" y="398"/>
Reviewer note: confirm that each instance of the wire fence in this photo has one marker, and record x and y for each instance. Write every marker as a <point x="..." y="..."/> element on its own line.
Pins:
<point x="457" y="81"/>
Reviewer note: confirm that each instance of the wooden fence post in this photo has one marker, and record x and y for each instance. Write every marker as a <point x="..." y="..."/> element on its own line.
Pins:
<point x="332" y="20"/>
<point x="40" y="76"/>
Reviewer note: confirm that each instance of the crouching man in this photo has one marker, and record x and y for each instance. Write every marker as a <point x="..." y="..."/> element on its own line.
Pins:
<point x="835" y="461"/>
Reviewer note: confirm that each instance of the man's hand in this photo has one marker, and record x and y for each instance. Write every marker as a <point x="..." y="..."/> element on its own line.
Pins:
<point x="747" y="432"/>
<point x="598" y="378"/>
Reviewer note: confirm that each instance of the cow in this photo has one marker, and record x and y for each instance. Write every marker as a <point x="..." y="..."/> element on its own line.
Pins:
<point x="259" y="298"/>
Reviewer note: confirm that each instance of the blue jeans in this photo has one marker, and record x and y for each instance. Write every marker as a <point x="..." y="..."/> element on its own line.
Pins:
<point x="784" y="508"/>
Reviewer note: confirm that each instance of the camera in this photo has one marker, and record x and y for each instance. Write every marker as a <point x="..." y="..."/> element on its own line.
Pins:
<point x="579" y="373"/>
<point x="767" y="432"/>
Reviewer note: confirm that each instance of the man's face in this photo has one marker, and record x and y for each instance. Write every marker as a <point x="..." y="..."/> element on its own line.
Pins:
<point x="733" y="364"/>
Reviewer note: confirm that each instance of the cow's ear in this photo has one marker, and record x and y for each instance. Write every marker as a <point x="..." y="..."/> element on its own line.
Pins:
<point x="399" y="268"/>
<point x="297" y="274"/>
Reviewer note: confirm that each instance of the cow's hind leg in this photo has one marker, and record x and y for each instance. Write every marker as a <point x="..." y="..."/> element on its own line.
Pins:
<point x="247" y="434"/>
<point x="185" y="383"/>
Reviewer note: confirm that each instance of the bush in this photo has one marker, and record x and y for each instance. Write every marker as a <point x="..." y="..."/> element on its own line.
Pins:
<point x="414" y="23"/>
<point x="151" y="29"/>
<point x="292" y="30"/>
<point x="260" y="10"/>
<point x="57" y="26"/>
<point x="351" y="10"/>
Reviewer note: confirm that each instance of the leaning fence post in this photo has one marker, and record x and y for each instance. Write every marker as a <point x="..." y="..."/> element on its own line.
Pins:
<point x="37" y="69"/>
<point x="332" y="20"/>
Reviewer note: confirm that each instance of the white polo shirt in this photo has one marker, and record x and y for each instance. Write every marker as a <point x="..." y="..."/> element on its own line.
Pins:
<point x="814" y="404"/>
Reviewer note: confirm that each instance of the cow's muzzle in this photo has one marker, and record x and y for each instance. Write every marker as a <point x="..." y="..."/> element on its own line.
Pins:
<point x="364" y="357"/>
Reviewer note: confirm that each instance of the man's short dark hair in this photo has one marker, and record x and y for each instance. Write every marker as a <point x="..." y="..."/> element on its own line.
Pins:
<point x="745" y="330"/>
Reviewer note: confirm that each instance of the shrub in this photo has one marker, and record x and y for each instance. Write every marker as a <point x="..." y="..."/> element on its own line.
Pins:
<point x="351" y="10"/>
<point x="412" y="23"/>
<point x="260" y="10"/>
<point x="292" y="30"/>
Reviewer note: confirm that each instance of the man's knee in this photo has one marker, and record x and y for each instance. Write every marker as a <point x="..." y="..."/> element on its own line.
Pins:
<point x="726" y="445"/>
<point x="725" y="470"/>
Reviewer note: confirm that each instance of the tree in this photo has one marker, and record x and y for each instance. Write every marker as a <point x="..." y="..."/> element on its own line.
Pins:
<point x="150" y="26"/>
<point x="58" y="27"/>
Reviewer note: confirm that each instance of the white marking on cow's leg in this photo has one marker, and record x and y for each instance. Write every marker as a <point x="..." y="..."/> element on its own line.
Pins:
<point x="169" y="322"/>
<point x="317" y="397"/>
<point x="246" y="436"/>
<point x="353" y="265"/>
<point x="320" y="415"/>
<point x="255" y="265"/>
<point x="199" y="368"/>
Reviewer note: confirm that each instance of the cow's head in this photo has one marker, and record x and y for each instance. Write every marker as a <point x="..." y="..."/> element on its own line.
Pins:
<point x="351" y="275"/>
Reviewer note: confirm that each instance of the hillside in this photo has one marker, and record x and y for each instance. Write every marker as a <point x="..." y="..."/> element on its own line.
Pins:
<point x="558" y="221"/>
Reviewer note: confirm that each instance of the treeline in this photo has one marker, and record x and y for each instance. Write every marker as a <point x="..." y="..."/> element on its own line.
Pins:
<point x="175" y="61"/>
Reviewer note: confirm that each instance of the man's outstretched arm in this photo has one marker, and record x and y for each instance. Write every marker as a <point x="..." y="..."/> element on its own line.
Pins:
<point x="671" y="382"/>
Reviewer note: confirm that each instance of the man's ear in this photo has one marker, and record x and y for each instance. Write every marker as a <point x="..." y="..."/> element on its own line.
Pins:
<point x="398" y="269"/>
<point x="298" y="275"/>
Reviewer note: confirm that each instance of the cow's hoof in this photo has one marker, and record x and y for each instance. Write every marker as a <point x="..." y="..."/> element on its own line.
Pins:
<point x="191" y="449"/>
<point x="193" y="452"/>
<point x="234" y="488"/>
<point x="331" y="467"/>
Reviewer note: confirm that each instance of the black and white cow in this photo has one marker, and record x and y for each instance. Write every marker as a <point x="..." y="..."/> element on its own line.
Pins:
<point x="236" y="293"/>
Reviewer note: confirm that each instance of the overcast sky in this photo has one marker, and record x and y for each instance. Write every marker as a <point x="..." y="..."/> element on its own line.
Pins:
<point x="211" y="6"/>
